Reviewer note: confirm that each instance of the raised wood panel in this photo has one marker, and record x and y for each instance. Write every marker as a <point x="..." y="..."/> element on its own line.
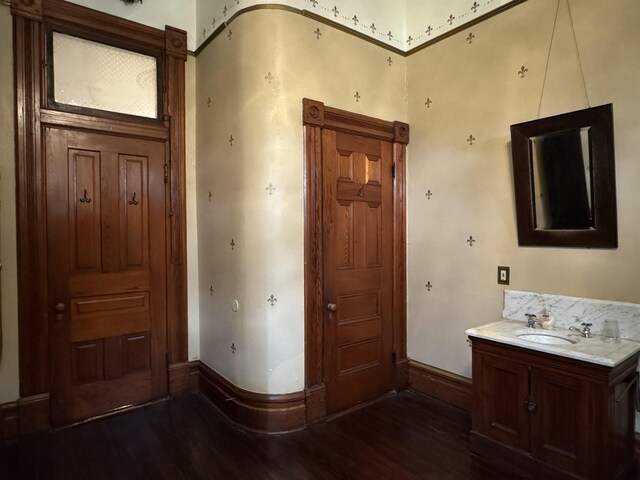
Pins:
<point x="97" y="398"/>
<point x="358" y="330"/>
<point x="136" y="349"/>
<point x="345" y="166"/>
<point x="358" y="356"/>
<point x="135" y="212"/>
<point x="559" y="431"/>
<point x="87" y="362"/>
<point x="344" y="227"/>
<point x="373" y="173"/>
<point x="84" y="210"/>
<point x="373" y="239"/>
<point x="109" y="315"/>
<point x="357" y="305"/>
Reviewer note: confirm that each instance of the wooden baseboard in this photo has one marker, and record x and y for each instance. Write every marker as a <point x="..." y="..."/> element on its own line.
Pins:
<point x="8" y="422"/>
<point x="266" y="413"/>
<point x="183" y="378"/>
<point x="445" y="386"/>
<point x="33" y="414"/>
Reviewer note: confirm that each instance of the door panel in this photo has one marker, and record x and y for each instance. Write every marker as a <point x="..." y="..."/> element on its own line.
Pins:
<point x="106" y="272"/>
<point x="357" y="213"/>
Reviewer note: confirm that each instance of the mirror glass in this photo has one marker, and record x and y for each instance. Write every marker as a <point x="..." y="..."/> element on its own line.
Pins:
<point x="564" y="180"/>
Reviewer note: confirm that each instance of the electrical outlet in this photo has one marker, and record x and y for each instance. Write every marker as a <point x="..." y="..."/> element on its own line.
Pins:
<point x="503" y="275"/>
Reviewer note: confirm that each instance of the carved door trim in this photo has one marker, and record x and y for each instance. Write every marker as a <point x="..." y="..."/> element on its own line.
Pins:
<point x="316" y="118"/>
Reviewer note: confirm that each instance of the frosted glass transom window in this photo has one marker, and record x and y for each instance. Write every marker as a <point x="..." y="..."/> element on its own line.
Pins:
<point x="95" y="75"/>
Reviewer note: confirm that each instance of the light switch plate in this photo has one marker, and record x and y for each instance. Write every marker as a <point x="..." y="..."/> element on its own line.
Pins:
<point x="503" y="275"/>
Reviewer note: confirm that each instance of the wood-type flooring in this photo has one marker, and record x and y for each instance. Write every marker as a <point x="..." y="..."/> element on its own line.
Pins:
<point x="403" y="436"/>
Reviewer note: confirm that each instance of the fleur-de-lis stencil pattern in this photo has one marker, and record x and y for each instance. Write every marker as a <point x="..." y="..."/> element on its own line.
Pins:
<point x="409" y="40"/>
<point x="471" y="240"/>
<point x="269" y="78"/>
<point x="355" y="20"/>
<point x="270" y="189"/>
<point x="428" y="103"/>
<point x="314" y="3"/>
<point x="474" y="7"/>
<point x="451" y="19"/>
<point x="211" y="290"/>
<point x="471" y="140"/>
<point x="470" y="37"/>
<point x="357" y="96"/>
<point x="389" y="61"/>
<point x="335" y="11"/>
<point x="522" y="71"/>
<point x="373" y="28"/>
<point x="233" y="244"/>
<point x="318" y="33"/>
<point x="272" y="300"/>
<point x="428" y="286"/>
<point x="209" y="102"/>
<point x="428" y="194"/>
<point x="229" y="34"/>
<point x="233" y="348"/>
<point x="210" y="195"/>
<point x="231" y="140"/>
<point x="429" y="30"/>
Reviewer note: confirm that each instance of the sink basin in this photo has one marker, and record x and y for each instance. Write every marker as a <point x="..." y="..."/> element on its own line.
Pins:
<point x="547" y="338"/>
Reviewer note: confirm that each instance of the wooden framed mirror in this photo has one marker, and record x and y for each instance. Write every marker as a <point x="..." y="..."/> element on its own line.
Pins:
<point x="564" y="179"/>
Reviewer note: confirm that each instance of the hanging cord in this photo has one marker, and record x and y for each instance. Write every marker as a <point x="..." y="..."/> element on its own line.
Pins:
<point x="546" y="67"/>
<point x="575" y="40"/>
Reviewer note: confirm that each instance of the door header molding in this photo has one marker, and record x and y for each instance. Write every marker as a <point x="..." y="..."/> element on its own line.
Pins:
<point x="315" y="113"/>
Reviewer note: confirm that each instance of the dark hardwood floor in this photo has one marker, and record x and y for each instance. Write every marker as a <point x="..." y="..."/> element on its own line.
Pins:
<point x="405" y="436"/>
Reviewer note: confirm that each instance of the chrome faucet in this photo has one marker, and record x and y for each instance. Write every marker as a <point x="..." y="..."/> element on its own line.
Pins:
<point x="532" y="320"/>
<point x="586" y="329"/>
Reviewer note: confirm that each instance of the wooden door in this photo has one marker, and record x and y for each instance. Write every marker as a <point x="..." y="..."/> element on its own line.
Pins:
<point x="105" y="217"/>
<point x="358" y="253"/>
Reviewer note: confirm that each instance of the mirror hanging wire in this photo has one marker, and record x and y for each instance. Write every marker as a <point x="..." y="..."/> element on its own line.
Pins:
<point x="575" y="40"/>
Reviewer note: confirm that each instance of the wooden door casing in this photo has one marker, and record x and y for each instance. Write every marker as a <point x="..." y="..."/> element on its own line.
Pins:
<point x="318" y="118"/>
<point x="106" y="253"/>
<point x="31" y="22"/>
<point x="358" y="198"/>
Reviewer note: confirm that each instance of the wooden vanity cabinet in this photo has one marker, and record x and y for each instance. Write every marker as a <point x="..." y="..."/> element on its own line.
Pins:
<point x="551" y="417"/>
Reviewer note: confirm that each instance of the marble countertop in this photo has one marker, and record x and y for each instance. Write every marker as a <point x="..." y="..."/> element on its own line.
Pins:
<point x="598" y="350"/>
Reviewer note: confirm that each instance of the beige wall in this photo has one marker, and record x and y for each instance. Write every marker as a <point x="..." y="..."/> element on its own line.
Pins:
<point x="475" y="90"/>
<point x="265" y="120"/>
<point x="9" y="350"/>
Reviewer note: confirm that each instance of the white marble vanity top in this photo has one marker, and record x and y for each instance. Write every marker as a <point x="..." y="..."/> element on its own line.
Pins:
<point x="598" y="350"/>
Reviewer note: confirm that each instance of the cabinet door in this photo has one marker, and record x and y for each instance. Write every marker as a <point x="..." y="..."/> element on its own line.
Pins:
<point x="499" y="400"/>
<point x="559" y="423"/>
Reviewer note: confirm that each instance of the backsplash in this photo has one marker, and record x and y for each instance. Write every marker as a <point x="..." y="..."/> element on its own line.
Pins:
<point x="570" y="311"/>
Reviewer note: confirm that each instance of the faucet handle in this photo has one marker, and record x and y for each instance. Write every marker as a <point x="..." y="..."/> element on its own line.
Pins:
<point x="531" y="319"/>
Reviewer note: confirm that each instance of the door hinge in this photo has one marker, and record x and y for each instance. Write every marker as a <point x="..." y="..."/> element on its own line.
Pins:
<point x="393" y="170"/>
<point x="166" y="173"/>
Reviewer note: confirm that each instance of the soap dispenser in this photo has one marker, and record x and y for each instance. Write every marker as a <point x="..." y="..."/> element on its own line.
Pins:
<point x="546" y="318"/>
